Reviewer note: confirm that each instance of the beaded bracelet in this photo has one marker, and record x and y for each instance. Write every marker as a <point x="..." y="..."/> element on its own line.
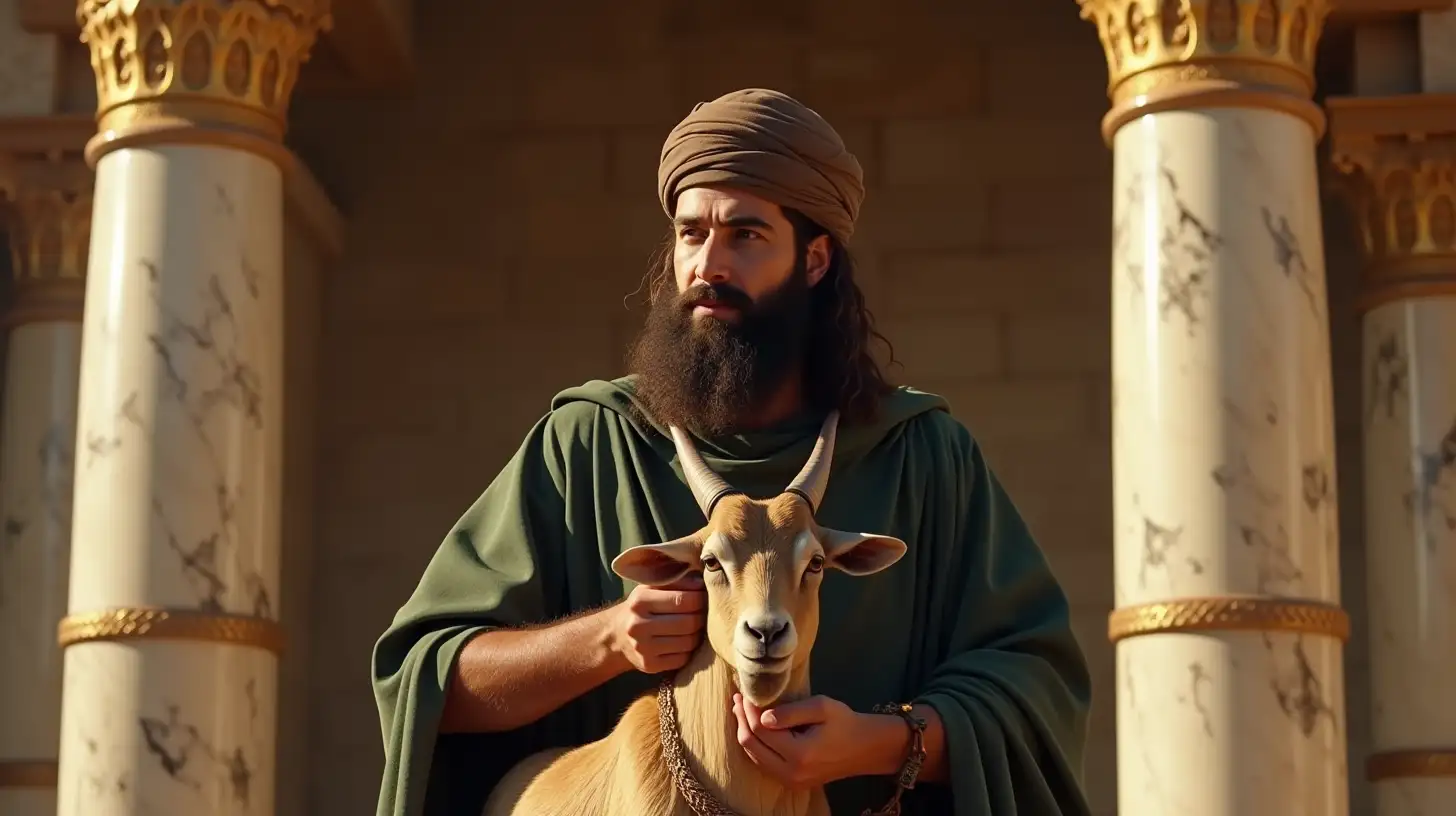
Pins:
<point x="916" y="758"/>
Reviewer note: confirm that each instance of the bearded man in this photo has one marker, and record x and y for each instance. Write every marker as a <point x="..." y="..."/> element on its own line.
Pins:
<point x="519" y="636"/>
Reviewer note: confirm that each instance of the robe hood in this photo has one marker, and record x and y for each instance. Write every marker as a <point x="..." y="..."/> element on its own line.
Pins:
<point x="771" y="453"/>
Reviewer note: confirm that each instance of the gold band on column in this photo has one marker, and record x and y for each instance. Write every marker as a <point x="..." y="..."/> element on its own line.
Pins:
<point x="171" y="624"/>
<point x="1230" y="615"/>
<point x="1430" y="763"/>
<point x="212" y="72"/>
<point x="29" y="773"/>
<point x="1395" y="165"/>
<point x="1185" y="54"/>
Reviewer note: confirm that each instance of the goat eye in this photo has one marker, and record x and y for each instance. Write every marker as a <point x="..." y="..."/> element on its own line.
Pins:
<point x="711" y="564"/>
<point x="816" y="564"/>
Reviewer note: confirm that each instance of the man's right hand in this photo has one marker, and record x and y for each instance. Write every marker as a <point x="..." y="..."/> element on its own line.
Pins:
<point x="658" y="629"/>
<point x="506" y="678"/>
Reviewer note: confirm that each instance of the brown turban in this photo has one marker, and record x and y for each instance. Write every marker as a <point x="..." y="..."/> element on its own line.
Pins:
<point x="771" y="145"/>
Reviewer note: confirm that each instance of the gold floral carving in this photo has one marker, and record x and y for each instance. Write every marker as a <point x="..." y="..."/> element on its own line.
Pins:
<point x="1169" y="53"/>
<point x="171" y="624"/>
<point x="1229" y="614"/>
<point x="1397" y="174"/>
<point x="46" y="209"/>
<point x="225" y="65"/>
<point x="28" y="773"/>
<point x="1413" y="764"/>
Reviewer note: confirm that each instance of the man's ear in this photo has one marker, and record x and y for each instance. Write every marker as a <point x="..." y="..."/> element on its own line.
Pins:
<point x="817" y="255"/>
<point x="860" y="553"/>
<point x="660" y="564"/>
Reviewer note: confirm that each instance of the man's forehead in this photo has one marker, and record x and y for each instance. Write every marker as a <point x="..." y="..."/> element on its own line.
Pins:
<point x="725" y="205"/>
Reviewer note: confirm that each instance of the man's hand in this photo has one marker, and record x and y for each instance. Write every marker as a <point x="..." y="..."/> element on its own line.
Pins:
<point x="658" y="629"/>
<point x="814" y="741"/>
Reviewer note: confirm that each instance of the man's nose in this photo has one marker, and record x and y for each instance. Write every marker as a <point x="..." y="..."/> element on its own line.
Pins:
<point x="715" y="261"/>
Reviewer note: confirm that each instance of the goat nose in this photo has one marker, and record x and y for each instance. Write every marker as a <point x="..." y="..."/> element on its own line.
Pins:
<point x="767" y="630"/>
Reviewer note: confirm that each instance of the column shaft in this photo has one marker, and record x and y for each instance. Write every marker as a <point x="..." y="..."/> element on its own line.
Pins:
<point x="1230" y="696"/>
<point x="1224" y="469"/>
<point x="172" y="637"/>
<point x="1410" y="508"/>
<point x="1405" y="202"/>
<point x="177" y="478"/>
<point x="47" y="219"/>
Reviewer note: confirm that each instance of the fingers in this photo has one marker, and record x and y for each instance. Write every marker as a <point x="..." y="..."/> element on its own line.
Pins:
<point x="666" y="625"/>
<point x="675" y="645"/>
<point x="810" y="711"/>
<point x="665" y="642"/>
<point x="657" y="664"/>
<point x="777" y="741"/>
<point x="661" y="629"/>
<point x="779" y="753"/>
<point x="645" y="628"/>
<point x="757" y="750"/>
<point x="668" y="602"/>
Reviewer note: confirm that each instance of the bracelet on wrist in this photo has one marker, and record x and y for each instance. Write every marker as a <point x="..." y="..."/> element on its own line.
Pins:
<point x="914" y="759"/>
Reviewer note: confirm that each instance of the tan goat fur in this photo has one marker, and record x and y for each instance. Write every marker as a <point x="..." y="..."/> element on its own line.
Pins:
<point x="762" y="563"/>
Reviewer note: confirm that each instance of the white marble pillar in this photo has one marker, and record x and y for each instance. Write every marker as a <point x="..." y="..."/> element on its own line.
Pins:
<point x="1403" y="191"/>
<point x="172" y="637"/>
<point x="46" y="207"/>
<point x="1228" y="629"/>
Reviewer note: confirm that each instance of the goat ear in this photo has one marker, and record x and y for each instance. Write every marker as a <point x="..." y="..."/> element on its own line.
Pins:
<point x="860" y="553"/>
<point x="660" y="564"/>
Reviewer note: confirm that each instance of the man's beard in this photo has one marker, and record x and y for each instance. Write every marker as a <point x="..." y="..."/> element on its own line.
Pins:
<point x="711" y="375"/>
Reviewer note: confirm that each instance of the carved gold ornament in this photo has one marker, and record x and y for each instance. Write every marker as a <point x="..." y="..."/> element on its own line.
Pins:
<point x="171" y="624"/>
<point x="1430" y="763"/>
<point x="1252" y="53"/>
<point x="1229" y="615"/>
<point x="46" y="208"/>
<point x="228" y="64"/>
<point x="1394" y="161"/>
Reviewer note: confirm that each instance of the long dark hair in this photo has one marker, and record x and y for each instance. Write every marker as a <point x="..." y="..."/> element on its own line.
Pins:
<point x="840" y="369"/>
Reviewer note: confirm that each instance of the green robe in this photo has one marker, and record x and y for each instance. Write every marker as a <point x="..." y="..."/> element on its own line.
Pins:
<point x="971" y="621"/>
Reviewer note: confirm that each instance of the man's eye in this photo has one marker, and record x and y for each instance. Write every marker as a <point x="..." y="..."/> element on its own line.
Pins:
<point x="747" y="235"/>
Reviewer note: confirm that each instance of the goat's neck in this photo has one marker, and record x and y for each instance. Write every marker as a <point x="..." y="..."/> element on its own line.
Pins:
<point x="704" y="692"/>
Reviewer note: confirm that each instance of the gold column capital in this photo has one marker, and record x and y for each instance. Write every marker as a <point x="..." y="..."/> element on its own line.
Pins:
<point x="1394" y="163"/>
<point x="197" y="71"/>
<point x="1176" y="54"/>
<point x="45" y="204"/>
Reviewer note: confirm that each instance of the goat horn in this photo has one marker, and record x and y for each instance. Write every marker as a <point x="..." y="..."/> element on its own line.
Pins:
<point x="812" y="480"/>
<point x="707" y="486"/>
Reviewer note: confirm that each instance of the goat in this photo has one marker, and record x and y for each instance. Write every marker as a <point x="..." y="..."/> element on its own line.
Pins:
<point x="762" y="563"/>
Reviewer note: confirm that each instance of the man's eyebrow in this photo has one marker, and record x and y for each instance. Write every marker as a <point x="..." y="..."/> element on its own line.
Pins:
<point x="734" y="221"/>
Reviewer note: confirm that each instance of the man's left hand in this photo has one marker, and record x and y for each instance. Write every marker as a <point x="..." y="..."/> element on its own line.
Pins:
<point x="808" y="743"/>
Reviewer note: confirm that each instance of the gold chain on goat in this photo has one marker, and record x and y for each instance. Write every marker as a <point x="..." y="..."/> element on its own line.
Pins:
<point x="698" y="797"/>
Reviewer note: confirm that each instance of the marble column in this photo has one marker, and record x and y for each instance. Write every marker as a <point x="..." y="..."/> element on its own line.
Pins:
<point x="1397" y="162"/>
<point x="172" y="636"/>
<point x="46" y="209"/>
<point x="1228" y="627"/>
